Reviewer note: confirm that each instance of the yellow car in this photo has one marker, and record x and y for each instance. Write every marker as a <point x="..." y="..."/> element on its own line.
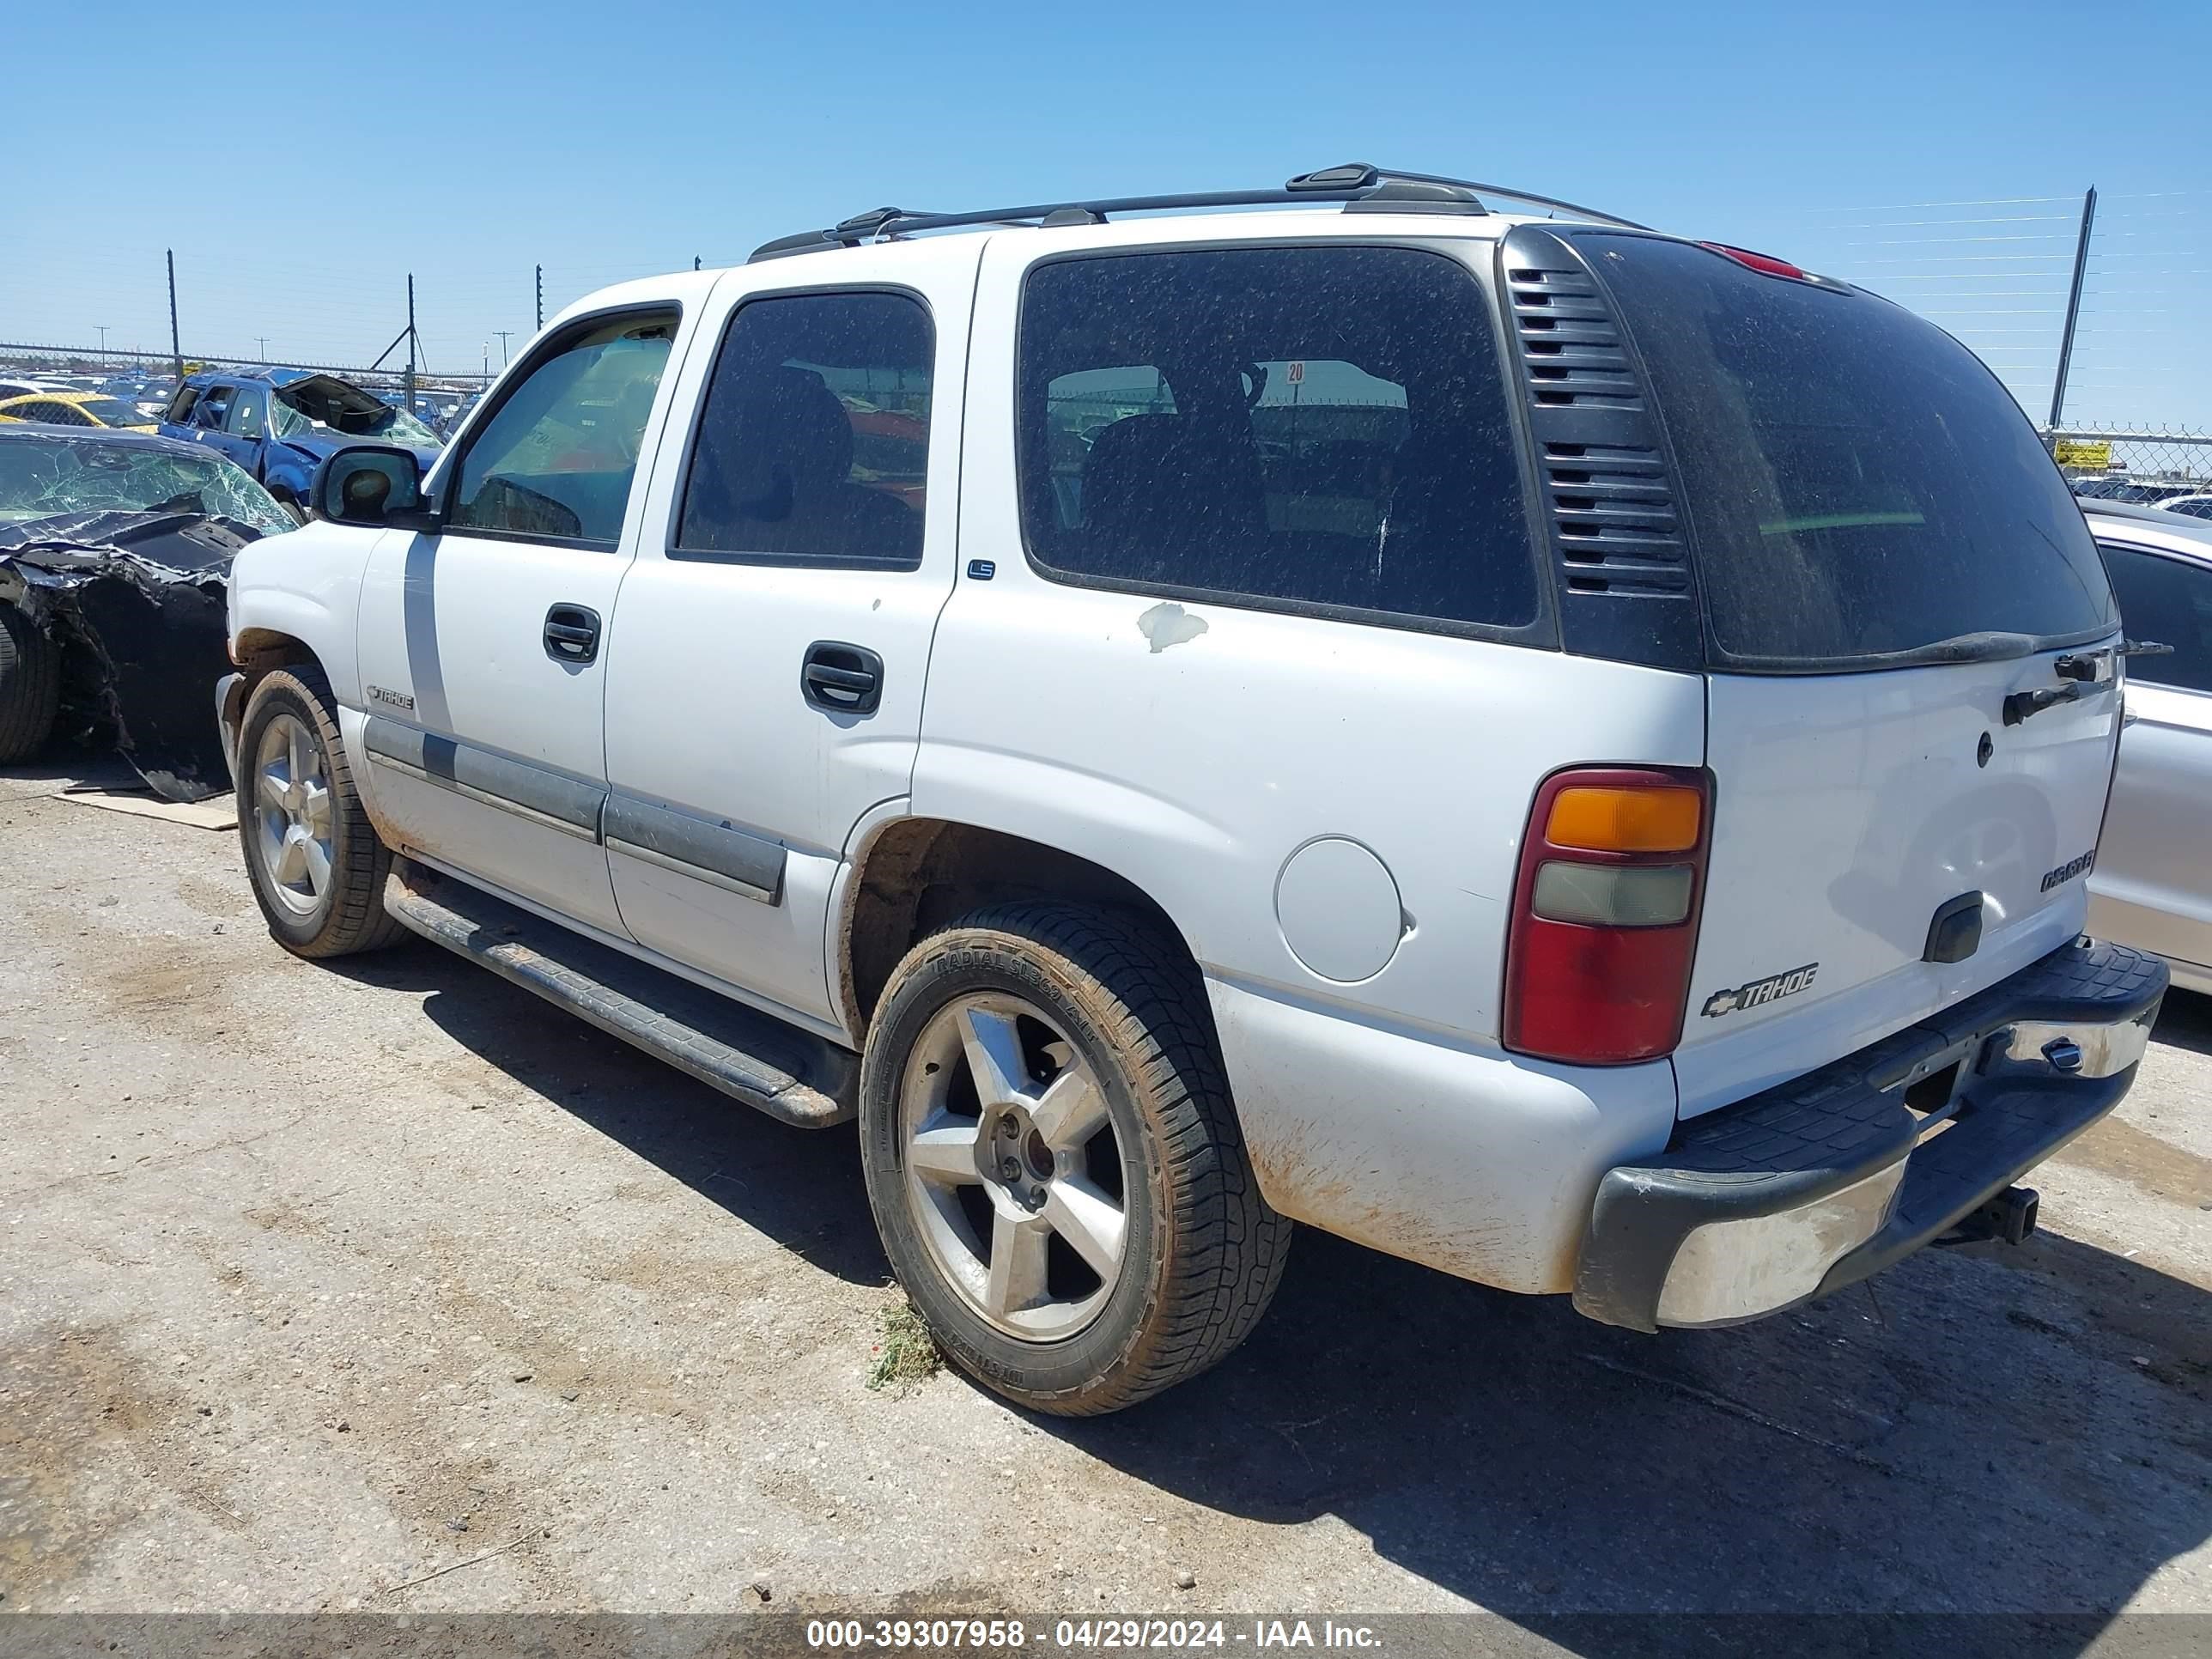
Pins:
<point x="74" y="408"/>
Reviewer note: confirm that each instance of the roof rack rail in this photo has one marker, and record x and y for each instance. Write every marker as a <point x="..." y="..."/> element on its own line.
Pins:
<point x="1359" y="185"/>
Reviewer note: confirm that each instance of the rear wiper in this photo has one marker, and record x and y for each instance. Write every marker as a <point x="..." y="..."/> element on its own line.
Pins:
<point x="1985" y="646"/>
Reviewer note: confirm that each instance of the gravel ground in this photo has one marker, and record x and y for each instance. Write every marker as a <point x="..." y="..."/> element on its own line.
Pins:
<point x="385" y="1286"/>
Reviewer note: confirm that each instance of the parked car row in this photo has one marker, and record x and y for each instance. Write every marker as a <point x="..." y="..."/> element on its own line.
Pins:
<point x="77" y="408"/>
<point x="144" y="393"/>
<point x="2174" y="495"/>
<point x="276" y="422"/>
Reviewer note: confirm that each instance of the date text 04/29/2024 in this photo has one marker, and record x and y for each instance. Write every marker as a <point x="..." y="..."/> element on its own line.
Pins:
<point x="1086" y="1635"/>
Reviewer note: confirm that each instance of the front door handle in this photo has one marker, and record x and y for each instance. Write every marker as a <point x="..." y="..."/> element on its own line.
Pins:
<point x="841" y="678"/>
<point x="572" y="634"/>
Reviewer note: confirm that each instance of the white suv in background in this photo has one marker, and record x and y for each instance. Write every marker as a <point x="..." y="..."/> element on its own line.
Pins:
<point x="1554" y="751"/>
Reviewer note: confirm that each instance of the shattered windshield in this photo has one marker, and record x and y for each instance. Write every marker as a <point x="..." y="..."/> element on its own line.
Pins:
<point x="394" y="426"/>
<point x="55" y="480"/>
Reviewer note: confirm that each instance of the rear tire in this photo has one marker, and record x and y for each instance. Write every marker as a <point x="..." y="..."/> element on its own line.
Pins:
<point x="1042" y="1079"/>
<point x="316" y="865"/>
<point x="30" y="686"/>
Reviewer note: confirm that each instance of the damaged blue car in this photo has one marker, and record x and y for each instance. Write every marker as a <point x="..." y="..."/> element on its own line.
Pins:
<point x="280" y="425"/>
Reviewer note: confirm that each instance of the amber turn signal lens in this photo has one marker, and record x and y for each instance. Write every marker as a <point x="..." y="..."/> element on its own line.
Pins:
<point x="1612" y="820"/>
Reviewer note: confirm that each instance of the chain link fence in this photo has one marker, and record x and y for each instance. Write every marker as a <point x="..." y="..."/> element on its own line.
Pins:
<point x="2160" y="461"/>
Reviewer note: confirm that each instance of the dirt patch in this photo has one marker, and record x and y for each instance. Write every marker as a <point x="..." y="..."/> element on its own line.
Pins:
<point x="81" y="1417"/>
<point x="180" y="985"/>
<point x="2116" y="1148"/>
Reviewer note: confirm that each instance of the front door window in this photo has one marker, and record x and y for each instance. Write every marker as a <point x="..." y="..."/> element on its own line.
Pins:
<point x="556" y="459"/>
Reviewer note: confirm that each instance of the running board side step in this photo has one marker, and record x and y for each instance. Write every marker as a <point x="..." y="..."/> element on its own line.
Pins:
<point x="750" y="1057"/>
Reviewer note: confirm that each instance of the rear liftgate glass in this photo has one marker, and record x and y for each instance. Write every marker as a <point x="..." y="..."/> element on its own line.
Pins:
<point x="1834" y="511"/>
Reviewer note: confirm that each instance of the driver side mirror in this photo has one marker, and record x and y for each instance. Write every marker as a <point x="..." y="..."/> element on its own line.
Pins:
<point x="373" y="485"/>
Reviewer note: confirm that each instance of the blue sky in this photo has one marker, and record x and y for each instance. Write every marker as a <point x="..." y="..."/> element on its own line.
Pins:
<point x="301" y="159"/>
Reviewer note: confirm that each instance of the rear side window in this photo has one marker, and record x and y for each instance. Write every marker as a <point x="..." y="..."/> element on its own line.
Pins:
<point x="813" y="442"/>
<point x="1318" y="427"/>
<point x="2168" y="601"/>
<point x="1858" y="483"/>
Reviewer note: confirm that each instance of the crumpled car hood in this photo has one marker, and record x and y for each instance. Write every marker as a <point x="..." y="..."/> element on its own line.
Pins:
<point x="138" y="601"/>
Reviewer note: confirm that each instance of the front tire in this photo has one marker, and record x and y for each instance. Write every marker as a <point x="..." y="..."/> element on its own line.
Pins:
<point x="316" y="863"/>
<point x="1055" y="1163"/>
<point x="30" y="686"/>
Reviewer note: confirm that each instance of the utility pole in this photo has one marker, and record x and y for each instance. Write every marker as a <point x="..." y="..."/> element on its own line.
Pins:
<point x="411" y="343"/>
<point x="2073" y="308"/>
<point x="541" y="296"/>
<point x="502" y="333"/>
<point x="103" y="328"/>
<point x="486" y="363"/>
<point x="262" y="341"/>
<point x="176" y="351"/>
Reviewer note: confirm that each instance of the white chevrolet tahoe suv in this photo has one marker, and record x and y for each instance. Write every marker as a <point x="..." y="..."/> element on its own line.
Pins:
<point x="1554" y="751"/>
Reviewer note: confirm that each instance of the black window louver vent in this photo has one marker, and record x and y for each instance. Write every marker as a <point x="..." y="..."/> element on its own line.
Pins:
<point x="1615" y="531"/>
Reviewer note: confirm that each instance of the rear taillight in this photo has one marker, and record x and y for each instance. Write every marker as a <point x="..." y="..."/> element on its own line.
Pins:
<point x="1605" y="913"/>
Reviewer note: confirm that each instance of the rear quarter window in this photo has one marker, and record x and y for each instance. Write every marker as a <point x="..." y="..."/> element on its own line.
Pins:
<point x="1286" y="427"/>
<point x="1858" y="484"/>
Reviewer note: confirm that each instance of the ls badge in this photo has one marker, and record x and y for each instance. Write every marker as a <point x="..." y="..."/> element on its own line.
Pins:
<point x="1760" y="991"/>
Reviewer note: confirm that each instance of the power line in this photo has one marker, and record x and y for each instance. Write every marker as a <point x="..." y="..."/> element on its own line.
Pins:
<point x="1910" y="206"/>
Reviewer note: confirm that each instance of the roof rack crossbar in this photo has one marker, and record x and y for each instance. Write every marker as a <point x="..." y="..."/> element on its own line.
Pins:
<point x="1355" y="181"/>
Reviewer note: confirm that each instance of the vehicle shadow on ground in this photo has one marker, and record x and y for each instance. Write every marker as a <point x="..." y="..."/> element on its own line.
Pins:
<point x="2020" y="1429"/>
<point x="2186" y="1021"/>
<point x="800" y="1186"/>
<point x="1972" y="1434"/>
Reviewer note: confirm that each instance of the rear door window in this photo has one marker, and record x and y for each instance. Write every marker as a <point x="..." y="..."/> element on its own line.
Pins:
<point x="814" y="441"/>
<point x="1858" y="483"/>
<point x="2169" y="601"/>
<point x="1295" y="427"/>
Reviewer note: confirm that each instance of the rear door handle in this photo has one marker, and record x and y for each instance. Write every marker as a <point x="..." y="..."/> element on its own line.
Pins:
<point x="572" y="634"/>
<point x="841" y="678"/>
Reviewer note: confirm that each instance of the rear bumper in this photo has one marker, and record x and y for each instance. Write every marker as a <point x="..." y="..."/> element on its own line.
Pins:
<point x="1816" y="1184"/>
